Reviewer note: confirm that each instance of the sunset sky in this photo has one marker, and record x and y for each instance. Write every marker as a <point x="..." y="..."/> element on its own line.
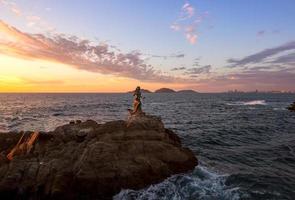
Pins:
<point x="113" y="45"/>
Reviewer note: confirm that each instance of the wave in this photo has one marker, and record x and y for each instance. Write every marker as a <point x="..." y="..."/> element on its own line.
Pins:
<point x="200" y="184"/>
<point x="247" y="103"/>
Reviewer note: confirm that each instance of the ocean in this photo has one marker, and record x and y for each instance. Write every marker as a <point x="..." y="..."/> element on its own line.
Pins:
<point x="245" y="143"/>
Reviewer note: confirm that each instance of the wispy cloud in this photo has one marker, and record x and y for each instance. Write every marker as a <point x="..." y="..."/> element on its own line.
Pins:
<point x="187" y="11"/>
<point x="269" y="69"/>
<point x="262" y="56"/>
<point x="285" y="59"/>
<point x="178" y="68"/>
<point x="199" y="70"/>
<point x="178" y="55"/>
<point x="250" y="80"/>
<point x="187" y="22"/>
<point x="80" y="54"/>
<point x="31" y="21"/>
<point x="12" y="6"/>
<point x="260" y="33"/>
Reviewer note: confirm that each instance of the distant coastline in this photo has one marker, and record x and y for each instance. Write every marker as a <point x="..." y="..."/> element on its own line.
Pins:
<point x="166" y="90"/>
<point x="149" y="91"/>
<point x="169" y="90"/>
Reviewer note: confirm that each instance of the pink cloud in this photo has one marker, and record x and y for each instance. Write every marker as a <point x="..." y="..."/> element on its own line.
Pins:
<point x="188" y="10"/>
<point x="80" y="54"/>
<point x="15" y="11"/>
<point x="175" y="27"/>
<point x="187" y="22"/>
<point x="191" y="37"/>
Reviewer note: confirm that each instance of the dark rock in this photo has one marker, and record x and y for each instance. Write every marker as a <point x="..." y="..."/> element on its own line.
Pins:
<point x="93" y="161"/>
<point x="292" y="107"/>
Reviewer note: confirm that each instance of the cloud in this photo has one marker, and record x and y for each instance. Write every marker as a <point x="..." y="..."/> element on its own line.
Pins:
<point x="187" y="22"/>
<point x="178" y="68"/>
<point x="260" y="33"/>
<point x="276" y="31"/>
<point x="191" y="37"/>
<point x="80" y="54"/>
<point x="175" y="27"/>
<point x="199" y="70"/>
<point x="188" y="11"/>
<point x="179" y="55"/>
<point x="31" y="21"/>
<point x="262" y="55"/>
<point x="196" y="63"/>
<point x="16" y="11"/>
<point x="250" y="81"/>
<point x="12" y="7"/>
<point x="285" y="59"/>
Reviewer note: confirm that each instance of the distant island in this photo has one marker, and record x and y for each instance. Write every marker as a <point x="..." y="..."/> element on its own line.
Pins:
<point x="165" y="90"/>
<point x="186" y="91"/>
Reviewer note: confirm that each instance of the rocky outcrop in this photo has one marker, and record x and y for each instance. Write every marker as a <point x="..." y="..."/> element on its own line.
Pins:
<point x="86" y="160"/>
<point x="292" y="107"/>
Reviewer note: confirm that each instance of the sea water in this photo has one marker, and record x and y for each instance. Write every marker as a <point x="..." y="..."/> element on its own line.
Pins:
<point x="245" y="143"/>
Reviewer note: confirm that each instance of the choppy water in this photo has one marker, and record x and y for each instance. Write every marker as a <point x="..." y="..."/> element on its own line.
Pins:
<point x="245" y="142"/>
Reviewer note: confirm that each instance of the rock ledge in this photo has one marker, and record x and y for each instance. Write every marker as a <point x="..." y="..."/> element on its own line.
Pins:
<point x="86" y="160"/>
<point x="292" y="107"/>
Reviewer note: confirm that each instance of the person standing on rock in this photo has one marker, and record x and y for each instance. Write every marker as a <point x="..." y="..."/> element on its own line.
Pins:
<point x="136" y="102"/>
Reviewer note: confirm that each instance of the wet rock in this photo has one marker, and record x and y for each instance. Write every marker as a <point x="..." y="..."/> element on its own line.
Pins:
<point x="93" y="161"/>
<point x="292" y="107"/>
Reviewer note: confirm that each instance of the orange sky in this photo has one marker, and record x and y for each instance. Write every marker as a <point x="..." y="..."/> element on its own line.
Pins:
<point x="30" y="75"/>
<point x="29" y="65"/>
<point x="44" y="60"/>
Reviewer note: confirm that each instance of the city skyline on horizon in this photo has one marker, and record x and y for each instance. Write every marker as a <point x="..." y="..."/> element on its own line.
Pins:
<point x="207" y="46"/>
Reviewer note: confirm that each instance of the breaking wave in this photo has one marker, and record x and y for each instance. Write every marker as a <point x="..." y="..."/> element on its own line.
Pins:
<point x="200" y="184"/>
<point x="248" y="103"/>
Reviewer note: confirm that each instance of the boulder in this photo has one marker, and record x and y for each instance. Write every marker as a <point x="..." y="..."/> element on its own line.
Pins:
<point x="87" y="160"/>
<point x="292" y="107"/>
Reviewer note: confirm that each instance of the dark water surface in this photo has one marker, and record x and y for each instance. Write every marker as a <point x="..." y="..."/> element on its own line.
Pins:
<point x="245" y="142"/>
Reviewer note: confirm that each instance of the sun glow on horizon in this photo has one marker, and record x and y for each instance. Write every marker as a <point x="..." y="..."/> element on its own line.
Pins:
<point x="34" y="75"/>
<point x="188" y="49"/>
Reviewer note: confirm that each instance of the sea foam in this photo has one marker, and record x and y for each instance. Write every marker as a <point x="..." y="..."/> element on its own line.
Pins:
<point x="247" y="103"/>
<point x="200" y="184"/>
